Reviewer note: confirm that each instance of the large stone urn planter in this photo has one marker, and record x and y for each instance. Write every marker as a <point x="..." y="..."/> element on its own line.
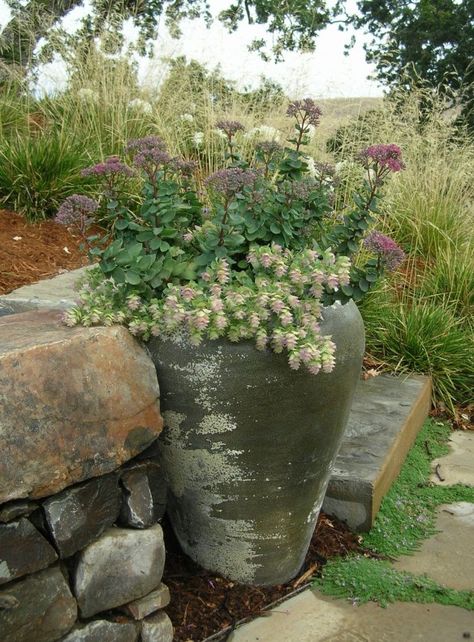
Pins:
<point x="248" y="447"/>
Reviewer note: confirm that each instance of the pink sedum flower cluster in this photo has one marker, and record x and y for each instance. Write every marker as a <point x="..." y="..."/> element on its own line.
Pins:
<point x="387" y="157"/>
<point x="389" y="252"/>
<point x="112" y="166"/>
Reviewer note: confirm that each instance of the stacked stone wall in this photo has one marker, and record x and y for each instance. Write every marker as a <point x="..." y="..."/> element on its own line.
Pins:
<point x="81" y="492"/>
<point x="85" y="564"/>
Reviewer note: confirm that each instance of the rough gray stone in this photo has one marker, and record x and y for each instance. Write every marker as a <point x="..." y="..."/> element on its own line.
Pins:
<point x="144" y="497"/>
<point x="103" y="631"/>
<point x="123" y="565"/>
<point x="38" y="519"/>
<point x="78" y="515"/>
<point x="45" y="611"/>
<point x="13" y="510"/>
<point x="157" y="628"/>
<point x="152" y="602"/>
<point x="8" y="602"/>
<point x="58" y="292"/>
<point x="23" y="550"/>
<point x="150" y="453"/>
<point x="75" y="403"/>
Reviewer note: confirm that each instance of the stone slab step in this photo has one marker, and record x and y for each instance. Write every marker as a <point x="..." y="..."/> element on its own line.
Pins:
<point x="56" y="293"/>
<point x="385" y="418"/>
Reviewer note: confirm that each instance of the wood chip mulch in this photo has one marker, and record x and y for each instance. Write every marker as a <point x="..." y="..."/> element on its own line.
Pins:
<point x="204" y="604"/>
<point x="30" y="252"/>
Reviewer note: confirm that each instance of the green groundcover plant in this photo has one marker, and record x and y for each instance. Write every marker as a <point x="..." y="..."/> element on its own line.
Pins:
<point x="252" y="251"/>
<point x="363" y="579"/>
<point x="406" y="518"/>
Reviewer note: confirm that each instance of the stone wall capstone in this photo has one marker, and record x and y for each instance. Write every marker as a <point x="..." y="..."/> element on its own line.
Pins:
<point x="75" y="403"/>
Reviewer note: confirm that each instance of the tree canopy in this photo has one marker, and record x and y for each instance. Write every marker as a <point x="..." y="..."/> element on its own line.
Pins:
<point x="291" y="24"/>
<point x="433" y="39"/>
<point x="428" y="39"/>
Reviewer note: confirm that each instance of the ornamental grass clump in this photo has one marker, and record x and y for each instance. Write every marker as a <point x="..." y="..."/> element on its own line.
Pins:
<point x="254" y="251"/>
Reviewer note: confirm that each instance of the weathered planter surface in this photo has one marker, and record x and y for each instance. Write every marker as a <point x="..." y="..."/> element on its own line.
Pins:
<point x="248" y="447"/>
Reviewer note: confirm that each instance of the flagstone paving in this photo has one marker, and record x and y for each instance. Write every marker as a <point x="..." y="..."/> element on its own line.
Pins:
<point x="310" y="617"/>
<point x="458" y="466"/>
<point x="448" y="556"/>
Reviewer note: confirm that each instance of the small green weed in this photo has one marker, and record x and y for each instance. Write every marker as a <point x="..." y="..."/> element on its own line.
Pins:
<point x="369" y="580"/>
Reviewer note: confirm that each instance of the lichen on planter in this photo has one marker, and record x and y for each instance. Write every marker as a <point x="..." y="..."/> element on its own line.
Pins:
<point x="248" y="447"/>
<point x="206" y="469"/>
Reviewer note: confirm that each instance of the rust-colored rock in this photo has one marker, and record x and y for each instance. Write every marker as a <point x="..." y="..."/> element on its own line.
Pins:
<point x="75" y="403"/>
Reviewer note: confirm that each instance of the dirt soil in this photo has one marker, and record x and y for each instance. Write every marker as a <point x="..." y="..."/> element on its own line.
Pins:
<point x="203" y="603"/>
<point x="30" y="252"/>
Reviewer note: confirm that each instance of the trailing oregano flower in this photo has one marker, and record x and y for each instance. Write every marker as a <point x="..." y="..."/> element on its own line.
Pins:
<point x="280" y="312"/>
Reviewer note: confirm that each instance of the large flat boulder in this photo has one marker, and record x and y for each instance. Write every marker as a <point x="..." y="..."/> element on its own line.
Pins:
<point x="75" y="403"/>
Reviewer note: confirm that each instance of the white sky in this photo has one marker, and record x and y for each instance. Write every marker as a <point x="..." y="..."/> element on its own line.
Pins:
<point x="326" y="73"/>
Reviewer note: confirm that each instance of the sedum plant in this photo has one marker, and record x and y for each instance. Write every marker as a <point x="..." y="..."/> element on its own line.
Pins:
<point x="252" y="251"/>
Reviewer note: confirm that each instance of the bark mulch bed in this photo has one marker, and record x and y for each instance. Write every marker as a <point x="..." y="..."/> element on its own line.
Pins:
<point x="33" y="251"/>
<point x="204" y="604"/>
